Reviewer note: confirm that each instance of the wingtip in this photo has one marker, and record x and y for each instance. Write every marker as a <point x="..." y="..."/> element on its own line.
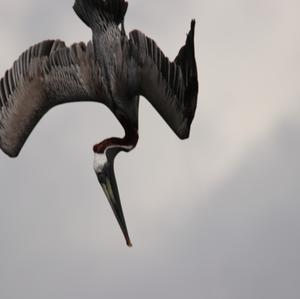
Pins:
<point x="191" y="33"/>
<point x="190" y="37"/>
<point x="10" y="153"/>
<point x="193" y="24"/>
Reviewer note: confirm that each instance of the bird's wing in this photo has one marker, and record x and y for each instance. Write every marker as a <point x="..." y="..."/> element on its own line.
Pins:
<point x="171" y="87"/>
<point x="45" y="75"/>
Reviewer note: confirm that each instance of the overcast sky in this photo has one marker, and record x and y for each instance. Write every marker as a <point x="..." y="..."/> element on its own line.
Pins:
<point x="213" y="217"/>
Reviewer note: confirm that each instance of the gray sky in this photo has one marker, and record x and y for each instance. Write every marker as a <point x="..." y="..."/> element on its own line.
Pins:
<point x="213" y="217"/>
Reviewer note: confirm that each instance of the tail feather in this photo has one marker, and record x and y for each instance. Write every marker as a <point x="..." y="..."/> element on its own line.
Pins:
<point x="99" y="13"/>
<point x="186" y="60"/>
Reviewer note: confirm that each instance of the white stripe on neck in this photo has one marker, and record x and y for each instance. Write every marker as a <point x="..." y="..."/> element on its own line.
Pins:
<point x="101" y="159"/>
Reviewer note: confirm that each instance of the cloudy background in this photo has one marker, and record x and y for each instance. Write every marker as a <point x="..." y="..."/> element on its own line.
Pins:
<point x="216" y="216"/>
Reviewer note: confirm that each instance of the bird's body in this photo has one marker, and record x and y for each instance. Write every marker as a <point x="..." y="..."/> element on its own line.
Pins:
<point x="112" y="69"/>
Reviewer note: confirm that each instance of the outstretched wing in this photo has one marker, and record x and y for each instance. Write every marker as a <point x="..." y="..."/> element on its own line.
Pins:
<point x="171" y="87"/>
<point x="45" y="75"/>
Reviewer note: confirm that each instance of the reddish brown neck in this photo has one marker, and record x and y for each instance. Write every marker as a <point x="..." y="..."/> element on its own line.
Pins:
<point x="130" y="139"/>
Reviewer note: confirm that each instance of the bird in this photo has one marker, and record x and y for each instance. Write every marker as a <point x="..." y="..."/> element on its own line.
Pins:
<point x="114" y="69"/>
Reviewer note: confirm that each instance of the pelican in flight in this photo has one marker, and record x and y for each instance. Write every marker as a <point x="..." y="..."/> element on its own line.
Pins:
<point x="113" y="69"/>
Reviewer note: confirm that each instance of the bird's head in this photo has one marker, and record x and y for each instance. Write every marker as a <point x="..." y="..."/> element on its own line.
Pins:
<point x="104" y="156"/>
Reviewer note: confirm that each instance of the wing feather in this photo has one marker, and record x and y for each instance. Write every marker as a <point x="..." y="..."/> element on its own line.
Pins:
<point x="171" y="87"/>
<point x="46" y="75"/>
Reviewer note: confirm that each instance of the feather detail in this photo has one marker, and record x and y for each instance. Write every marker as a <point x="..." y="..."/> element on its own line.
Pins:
<point x="46" y="75"/>
<point x="171" y="87"/>
<point x="98" y="14"/>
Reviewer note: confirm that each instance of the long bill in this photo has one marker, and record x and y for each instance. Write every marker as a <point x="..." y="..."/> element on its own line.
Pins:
<point x="108" y="182"/>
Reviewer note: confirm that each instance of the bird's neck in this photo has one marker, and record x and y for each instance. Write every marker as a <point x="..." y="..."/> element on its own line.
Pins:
<point x="125" y="144"/>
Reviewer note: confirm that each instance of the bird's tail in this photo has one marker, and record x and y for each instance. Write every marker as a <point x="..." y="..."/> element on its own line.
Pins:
<point x="186" y="60"/>
<point x="97" y="14"/>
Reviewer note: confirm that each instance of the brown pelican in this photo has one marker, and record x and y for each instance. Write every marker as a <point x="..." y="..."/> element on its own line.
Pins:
<point x="112" y="69"/>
